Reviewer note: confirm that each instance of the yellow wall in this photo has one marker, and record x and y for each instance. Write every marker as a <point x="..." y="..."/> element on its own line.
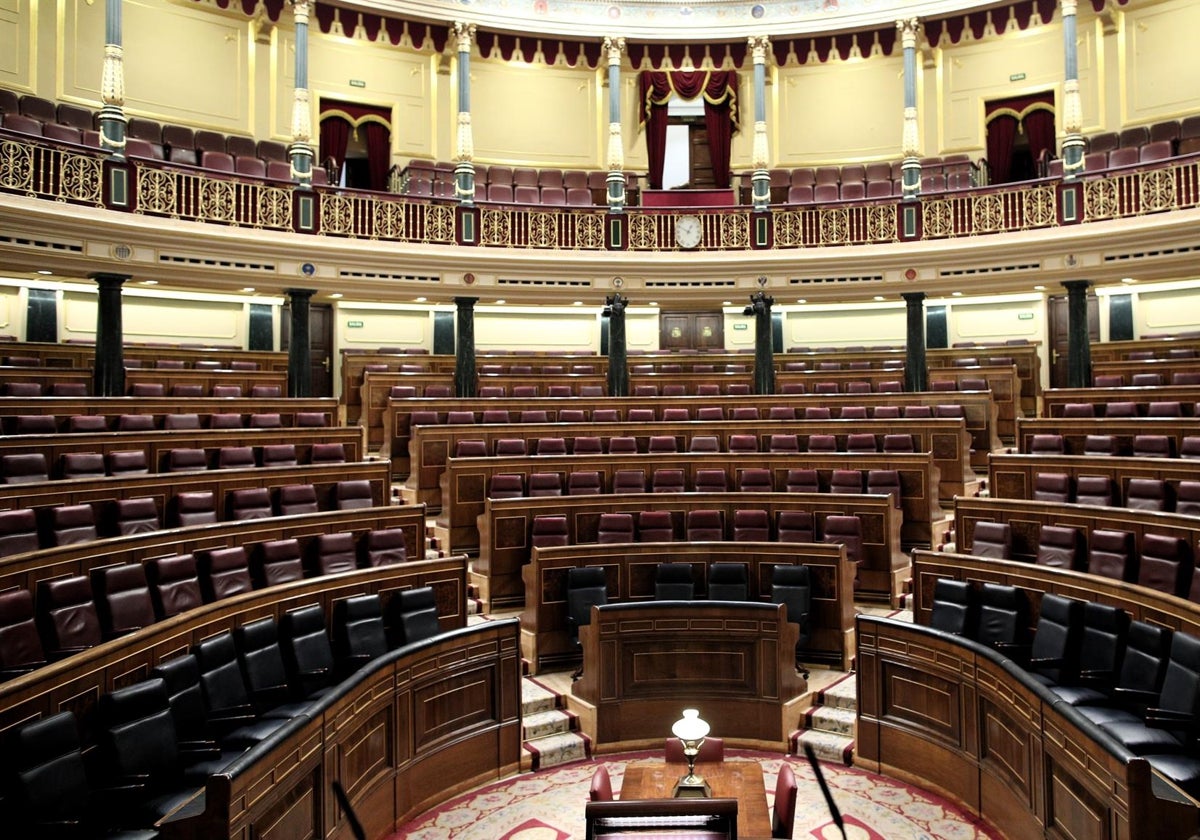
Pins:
<point x="18" y="45"/>
<point x="1167" y="311"/>
<point x="839" y="326"/>
<point x="170" y="320"/>
<point x="1159" y="62"/>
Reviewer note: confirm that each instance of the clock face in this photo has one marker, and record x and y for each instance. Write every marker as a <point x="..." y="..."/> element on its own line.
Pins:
<point x="687" y="231"/>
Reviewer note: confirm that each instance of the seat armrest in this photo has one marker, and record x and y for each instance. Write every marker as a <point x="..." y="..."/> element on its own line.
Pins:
<point x="1047" y="662"/>
<point x="1133" y="695"/>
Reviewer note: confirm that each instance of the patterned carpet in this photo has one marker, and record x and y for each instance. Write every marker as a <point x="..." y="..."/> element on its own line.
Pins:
<point x="548" y="805"/>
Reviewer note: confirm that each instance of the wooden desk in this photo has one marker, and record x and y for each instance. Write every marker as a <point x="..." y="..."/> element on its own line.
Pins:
<point x="740" y="780"/>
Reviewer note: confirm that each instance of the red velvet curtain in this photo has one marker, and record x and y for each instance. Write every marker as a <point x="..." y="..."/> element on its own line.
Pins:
<point x="1001" y="137"/>
<point x="719" y="89"/>
<point x="1039" y="128"/>
<point x="335" y="136"/>
<point x="379" y="154"/>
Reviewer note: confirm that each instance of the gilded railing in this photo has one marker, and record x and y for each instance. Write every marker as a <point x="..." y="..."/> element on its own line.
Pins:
<point x="36" y="168"/>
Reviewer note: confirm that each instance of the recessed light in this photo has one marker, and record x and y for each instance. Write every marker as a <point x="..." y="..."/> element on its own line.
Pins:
<point x="802" y="300"/>
<point x="422" y="300"/>
<point x="336" y="295"/>
<point x="149" y="282"/>
<point x="1123" y="279"/>
<point x="653" y="303"/>
<point x="727" y="303"/>
<point x="1039" y="288"/>
<point x="501" y="302"/>
<point x="577" y="303"/>
<point x="44" y="271"/>
<point x="878" y="297"/>
<point x="247" y="288"/>
<point x="956" y="294"/>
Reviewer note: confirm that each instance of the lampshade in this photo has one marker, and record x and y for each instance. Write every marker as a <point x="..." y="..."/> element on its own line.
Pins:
<point x="689" y="727"/>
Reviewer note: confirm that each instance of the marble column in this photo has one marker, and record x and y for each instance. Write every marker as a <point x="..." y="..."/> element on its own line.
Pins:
<point x="300" y="152"/>
<point x="108" y="370"/>
<point x="615" y="48"/>
<point x="760" y="179"/>
<point x="299" y="349"/>
<point x="618" y="356"/>
<point x="1079" y="349"/>
<point x="1072" y="111"/>
<point x="464" y="143"/>
<point x="916" y="374"/>
<point x="112" y="83"/>
<point x="764" y="358"/>
<point x="464" y="347"/>
<point x="910" y="168"/>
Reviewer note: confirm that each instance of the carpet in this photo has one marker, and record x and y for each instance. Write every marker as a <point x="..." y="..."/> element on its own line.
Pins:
<point x="548" y="805"/>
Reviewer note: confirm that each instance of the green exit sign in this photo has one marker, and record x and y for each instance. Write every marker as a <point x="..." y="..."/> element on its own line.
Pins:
<point x="359" y="83"/>
<point x="1024" y="316"/>
<point x="1017" y="77"/>
<point x="741" y="326"/>
<point x="354" y="325"/>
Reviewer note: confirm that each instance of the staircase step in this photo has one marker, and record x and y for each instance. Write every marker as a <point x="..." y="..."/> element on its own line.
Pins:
<point x="834" y="719"/>
<point x="827" y="746"/>
<point x="554" y="750"/>
<point x="536" y="698"/>
<point x="843" y="694"/>
<point x="542" y="724"/>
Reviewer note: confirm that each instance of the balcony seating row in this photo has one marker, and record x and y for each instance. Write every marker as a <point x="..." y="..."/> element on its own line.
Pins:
<point x="47" y="424"/>
<point x="159" y="740"/>
<point x="1138" y="682"/>
<point x="520" y="185"/>
<point x="1162" y="562"/>
<point x="77" y="612"/>
<point x="24" y="529"/>
<point x="30" y="467"/>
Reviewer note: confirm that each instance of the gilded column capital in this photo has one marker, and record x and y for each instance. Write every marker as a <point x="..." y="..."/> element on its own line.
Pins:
<point x="615" y="48"/>
<point x="759" y="44"/>
<point x="112" y="76"/>
<point x="464" y="35"/>
<point x="908" y="28"/>
<point x="301" y="10"/>
<point x="1069" y="7"/>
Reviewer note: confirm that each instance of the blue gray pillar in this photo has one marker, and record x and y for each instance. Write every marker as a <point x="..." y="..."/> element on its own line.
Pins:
<point x="108" y="369"/>
<point x="112" y="83"/>
<point x="760" y="180"/>
<point x="614" y="48"/>
<point x="618" y="353"/>
<point x="1079" y="348"/>
<point x="916" y="373"/>
<point x="300" y="343"/>
<point x="764" y="358"/>
<point x="464" y="144"/>
<point x="300" y="151"/>
<point x="1073" y="143"/>
<point x="910" y="168"/>
<point x="464" y="347"/>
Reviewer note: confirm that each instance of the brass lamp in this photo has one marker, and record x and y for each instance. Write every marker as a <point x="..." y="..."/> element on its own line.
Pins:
<point x="691" y="731"/>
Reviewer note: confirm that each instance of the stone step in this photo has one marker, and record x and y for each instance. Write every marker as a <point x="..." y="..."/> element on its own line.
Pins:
<point x="828" y="747"/>
<point x="831" y="719"/>
<point x="543" y="724"/>
<point x="554" y="750"/>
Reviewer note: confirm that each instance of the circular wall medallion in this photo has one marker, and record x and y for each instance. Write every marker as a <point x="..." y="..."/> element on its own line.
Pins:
<point x="469" y="278"/>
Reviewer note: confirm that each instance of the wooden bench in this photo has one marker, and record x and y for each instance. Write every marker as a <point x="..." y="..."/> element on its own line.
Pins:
<point x="545" y="635"/>
<point x="431" y="446"/>
<point x="69" y="355"/>
<point x="506" y="525"/>
<point x="113" y="407"/>
<point x="1165" y="369"/>
<point x="465" y="482"/>
<point x="1014" y="476"/>
<point x="1055" y="399"/>
<point x="1075" y="430"/>
<point x="978" y="408"/>
<point x="1104" y="351"/>
<point x="955" y="717"/>
<point x="204" y="379"/>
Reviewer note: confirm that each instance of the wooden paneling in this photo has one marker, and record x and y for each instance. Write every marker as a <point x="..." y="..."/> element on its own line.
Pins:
<point x="1106" y="351"/>
<point x="1074" y="430"/>
<point x="83" y="356"/>
<point x="1186" y="395"/>
<point x="1165" y="369"/>
<point x="1013" y="476"/>
<point x="506" y="524"/>
<point x="113" y="407"/>
<point x="545" y="635"/>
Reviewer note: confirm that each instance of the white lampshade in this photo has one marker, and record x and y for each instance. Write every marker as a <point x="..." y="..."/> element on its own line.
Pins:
<point x="690" y="727"/>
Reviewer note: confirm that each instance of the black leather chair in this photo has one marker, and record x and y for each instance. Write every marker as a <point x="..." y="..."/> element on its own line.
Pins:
<point x="358" y="631"/>
<point x="1100" y="654"/>
<point x="674" y="582"/>
<point x="727" y="582"/>
<point x="955" y="607"/>
<point x="1054" y="656"/>
<point x="791" y="585"/>
<point x="586" y="587"/>
<point x="307" y="652"/>
<point x="207" y="741"/>
<point x="1169" y="725"/>
<point x="1003" y="619"/>
<point x="1142" y="670"/>
<point x="414" y="615"/>
<point x="226" y="695"/>
<point x="261" y="659"/>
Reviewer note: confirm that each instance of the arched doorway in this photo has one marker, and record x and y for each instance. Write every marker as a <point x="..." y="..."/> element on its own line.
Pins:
<point x="1020" y="131"/>
<point x="357" y="139"/>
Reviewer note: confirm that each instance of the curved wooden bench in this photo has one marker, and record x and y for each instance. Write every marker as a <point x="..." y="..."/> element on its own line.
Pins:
<point x="1074" y="430"/>
<point x="1013" y="476"/>
<point x="56" y="354"/>
<point x="1187" y="396"/>
<point x="112" y="407"/>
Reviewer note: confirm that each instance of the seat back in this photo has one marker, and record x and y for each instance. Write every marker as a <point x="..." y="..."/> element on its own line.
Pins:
<point x="955" y="607"/>
<point x="122" y="599"/>
<point x="223" y="572"/>
<point x="783" y="443"/>
<point x="1102" y="648"/>
<point x="545" y="484"/>
<point x="791" y="585"/>
<point x="275" y="562"/>
<point x="1099" y="445"/>
<point x="549" y="530"/>
<point x="704" y="526"/>
<point x="822" y="443"/>
<point x="279" y="455"/>
<point x="358" y="632"/>
<point x="66" y="616"/>
<point x="1046" y="445"/>
<point x="174" y="585"/>
<point x="1060" y="547"/>
<point x="327" y="453"/>
<point x="72" y="524"/>
<point x="1051" y="487"/>
<point x="24" y="468"/>
<point x="333" y="553"/>
<point x="586" y="587"/>
<point x="727" y="582"/>
<point x="297" y="498"/>
<point x="1147" y="494"/>
<point x="1153" y="446"/>
<point x="415" y="615"/>
<point x="655" y="526"/>
<point x="249" y="503"/>
<point x="802" y="481"/>
<point x="261" y="658"/>
<point x="18" y="531"/>
<point x="847" y="531"/>
<point x="195" y="507"/>
<point x="786" y="790"/>
<point x="1057" y="638"/>
<point x="755" y="480"/>
<point x="1145" y="662"/>
<point x="1003" y="615"/>
<point x="667" y="481"/>
<point x="353" y="495"/>
<point x="1165" y="564"/>
<point x="992" y="539"/>
<point x="795" y="526"/>
<point x="846" y="481"/>
<point x="885" y="482"/>
<point x="751" y="526"/>
<point x="584" y="483"/>
<point x="221" y="681"/>
<point x="20" y="647"/>
<point x="307" y="652"/>
<point x="615" y="528"/>
<point x="1093" y="490"/>
<point x="383" y="548"/>
<point x="506" y="486"/>
<point x="674" y="582"/>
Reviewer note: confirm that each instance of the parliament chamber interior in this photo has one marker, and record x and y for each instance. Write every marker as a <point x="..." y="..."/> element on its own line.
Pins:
<point x="369" y="368"/>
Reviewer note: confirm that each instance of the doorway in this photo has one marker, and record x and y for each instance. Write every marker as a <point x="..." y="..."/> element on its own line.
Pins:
<point x="691" y="331"/>
<point x="1058" y="318"/>
<point x="320" y="344"/>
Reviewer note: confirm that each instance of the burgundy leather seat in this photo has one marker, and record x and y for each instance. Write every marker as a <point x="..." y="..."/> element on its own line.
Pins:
<point x="549" y="530"/>
<point x="704" y="526"/>
<point x="333" y="553"/>
<point x="383" y="547"/>
<point x="72" y="524"/>
<point x="174" y="585"/>
<point x="18" y="531"/>
<point x="195" y="507"/>
<point x="1165" y="564"/>
<point x="655" y="526"/>
<point x="1060" y="547"/>
<point x="584" y="483"/>
<point x="352" y="495"/>
<point x="297" y="498"/>
<point x="249" y="503"/>
<point x="1052" y="487"/>
<point x="137" y="516"/>
<point x="82" y="465"/>
<point x="24" y="468"/>
<point x="992" y="539"/>
<point x="755" y="480"/>
<point x="1111" y="555"/>
<point x="615" y="528"/>
<point x="802" y="481"/>
<point x="545" y="484"/>
<point x="122" y="599"/>
<point x="223" y="572"/>
<point x="795" y="526"/>
<point x="20" y="646"/>
<point x="327" y="453"/>
<point x="275" y="562"/>
<point x="66" y="616"/>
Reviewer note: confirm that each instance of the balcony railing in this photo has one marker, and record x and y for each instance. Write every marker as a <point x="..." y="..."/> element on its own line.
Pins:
<point x="37" y="168"/>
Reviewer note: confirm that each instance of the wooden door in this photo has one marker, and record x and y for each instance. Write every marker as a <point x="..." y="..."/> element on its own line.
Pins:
<point x="691" y="330"/>
<point x="320" y="344"/>
<point x="1059" y="321"/>
<point x="701" y="170"/>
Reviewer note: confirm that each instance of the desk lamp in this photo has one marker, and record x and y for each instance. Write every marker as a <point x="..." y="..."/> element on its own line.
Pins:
<point x="691" y="731"/>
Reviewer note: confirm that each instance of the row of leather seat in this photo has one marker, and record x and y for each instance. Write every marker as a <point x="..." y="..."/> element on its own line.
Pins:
<point x="1144" y="380"/>
<point x="157" y="364"/>
<point x="668" y="480"/>
<point x="622" y="444"/>
<point x="1146" y="407"/>
<point x="426" y="417"/>
<point x="48" y="424"/>
<point x="1139" y="682"/>
<point x="157" y="741"/>
<point x="28" y="467"/>
<point x="1158" y="561"/>
<point x="159" y="389"/>
<point x="74" y="613"/>
<point x="1141" y="446"/>
<point x="21" y="531"/>
<point x="1154" y="494"/>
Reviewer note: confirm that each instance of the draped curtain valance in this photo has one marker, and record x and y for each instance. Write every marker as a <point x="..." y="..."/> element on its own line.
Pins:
<point x="341" y="119"/>
<point x="718" y="88"/>
<point x="1005" y="118"/>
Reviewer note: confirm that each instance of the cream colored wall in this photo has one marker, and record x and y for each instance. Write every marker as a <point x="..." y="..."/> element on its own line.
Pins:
<point x="168" y="320"/>
<point x="833" y="112"/>
<point x="741" y="339"/>
<point x="382" y="326"/>
<point x="1166" y="311"/>
<point x="841" y="326"/>
<point x="542" y="329"/>
<point x="14" y="303"/>
<point x="641" y="330"/>
<point x="1159" y="62"/>
<point x="18" y="44"/>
